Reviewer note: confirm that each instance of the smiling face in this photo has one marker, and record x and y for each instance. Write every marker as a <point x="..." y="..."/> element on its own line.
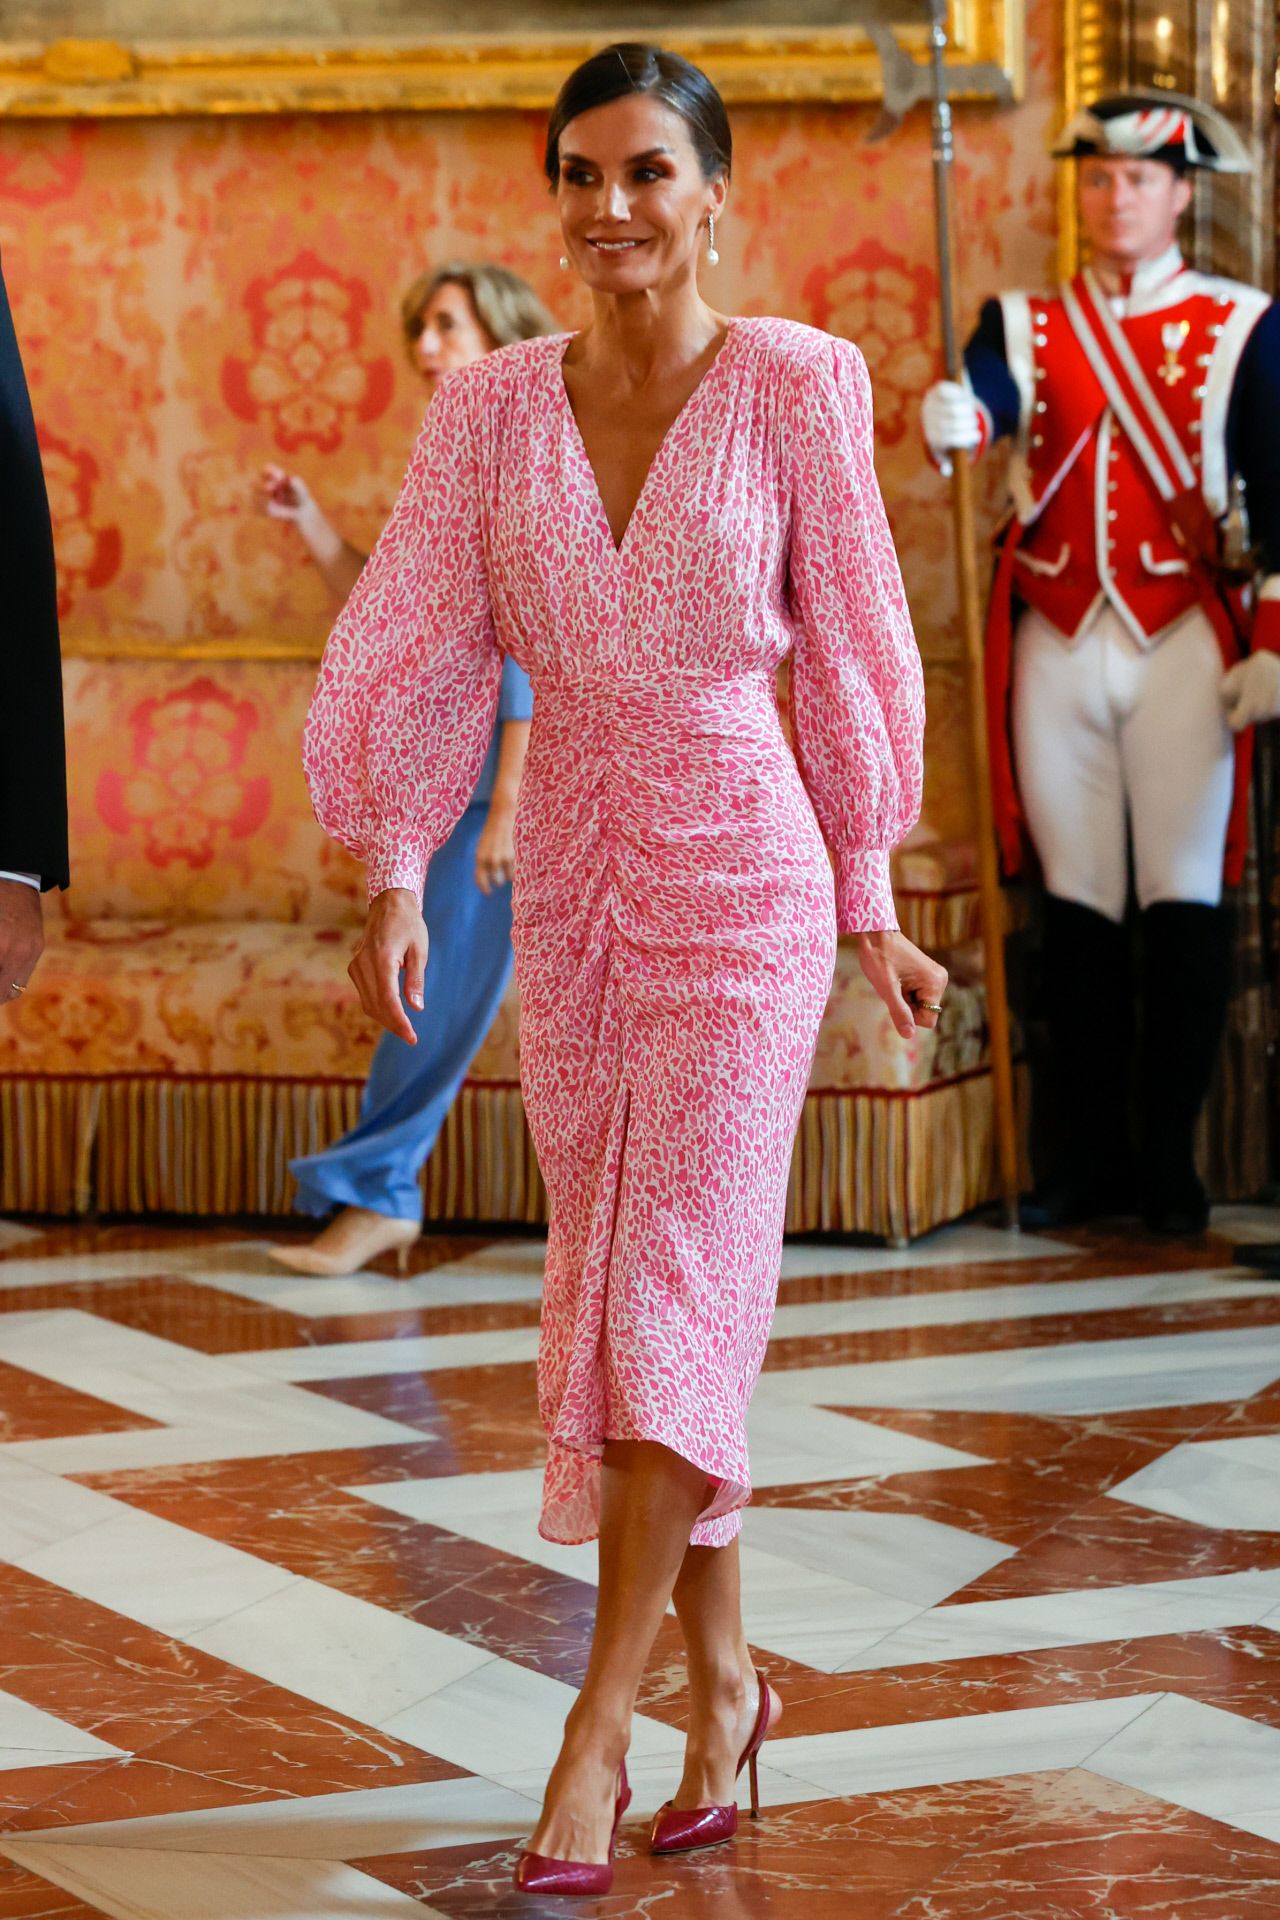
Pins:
<point x="1129" y="209"/>
<point x="451" y="335"/>
<point x="632" y="196"/>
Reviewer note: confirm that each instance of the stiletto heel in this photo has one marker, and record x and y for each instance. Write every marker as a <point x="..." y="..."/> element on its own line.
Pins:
<point x="539" y="1873"/>
<point x="349" y="1242"/>
<point x="680" y="1829"/>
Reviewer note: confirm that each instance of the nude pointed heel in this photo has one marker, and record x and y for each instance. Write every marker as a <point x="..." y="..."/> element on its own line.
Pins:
<point x="353" y="1244"/>
<point x="539" y="1873"/>
<point x="680" y="1829"/>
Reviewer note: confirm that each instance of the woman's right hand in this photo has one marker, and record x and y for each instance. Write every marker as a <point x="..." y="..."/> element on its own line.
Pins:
<point x="394" y="938"/>
<point x="285" y="496"/>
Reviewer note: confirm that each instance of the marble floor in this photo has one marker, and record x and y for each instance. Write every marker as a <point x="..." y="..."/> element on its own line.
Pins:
<point x="279" y="1640"/>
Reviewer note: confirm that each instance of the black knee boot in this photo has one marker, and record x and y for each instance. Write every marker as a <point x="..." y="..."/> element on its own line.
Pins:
<point x="1089" y="1013"/>
<point x="1186" y="969"/>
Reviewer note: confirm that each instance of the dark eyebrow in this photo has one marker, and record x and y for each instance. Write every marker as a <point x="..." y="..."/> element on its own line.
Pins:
<point x="650" y="153"/>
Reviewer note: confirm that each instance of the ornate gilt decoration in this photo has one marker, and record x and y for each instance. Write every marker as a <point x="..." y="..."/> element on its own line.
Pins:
<point x="88" y="77"/>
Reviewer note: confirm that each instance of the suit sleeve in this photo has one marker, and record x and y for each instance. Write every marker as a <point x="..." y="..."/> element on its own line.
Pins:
<point x="1253" y="435"/>
<point x="33" y="776"/>
<point x="987" y="364"/>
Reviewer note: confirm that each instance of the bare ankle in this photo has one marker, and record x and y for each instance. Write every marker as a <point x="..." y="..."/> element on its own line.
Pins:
<point x="727" y="1683"/>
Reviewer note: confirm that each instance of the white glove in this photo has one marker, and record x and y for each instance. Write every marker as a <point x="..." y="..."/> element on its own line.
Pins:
<point x="1251" y="690"/>
<point x="950" y="420"/>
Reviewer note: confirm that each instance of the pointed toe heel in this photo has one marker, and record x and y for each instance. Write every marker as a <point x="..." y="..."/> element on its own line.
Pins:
<point x="539" y="1873"/>
<point x="681" y="1829"/>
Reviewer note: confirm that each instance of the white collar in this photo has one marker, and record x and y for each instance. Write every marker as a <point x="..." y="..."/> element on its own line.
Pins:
<point x="1149" y="277"/>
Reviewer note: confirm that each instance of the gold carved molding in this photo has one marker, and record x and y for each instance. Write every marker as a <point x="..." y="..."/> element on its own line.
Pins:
<point x="74" y="78"/>
<point x="240" y="646"/>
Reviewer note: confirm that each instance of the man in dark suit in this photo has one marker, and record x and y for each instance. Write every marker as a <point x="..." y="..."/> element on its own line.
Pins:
<point x="33" y="779"/>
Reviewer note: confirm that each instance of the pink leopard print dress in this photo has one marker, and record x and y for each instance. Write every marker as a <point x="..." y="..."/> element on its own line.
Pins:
<point x="675" y="912"/>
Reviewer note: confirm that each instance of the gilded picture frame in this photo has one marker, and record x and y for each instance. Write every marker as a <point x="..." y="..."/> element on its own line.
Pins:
<point x="77" y="58"/>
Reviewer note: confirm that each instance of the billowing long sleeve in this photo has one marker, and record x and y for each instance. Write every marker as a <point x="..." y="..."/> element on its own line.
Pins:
<point x="404" y="708"/>
<point x="856" y="683"/>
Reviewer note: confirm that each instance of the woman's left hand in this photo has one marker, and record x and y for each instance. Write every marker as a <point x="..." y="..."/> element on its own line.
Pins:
<point x="495" y="849"/>
<point x="908" y="981"/>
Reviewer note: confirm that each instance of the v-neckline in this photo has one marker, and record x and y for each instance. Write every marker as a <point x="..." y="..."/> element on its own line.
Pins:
<point x="618" y="547"/>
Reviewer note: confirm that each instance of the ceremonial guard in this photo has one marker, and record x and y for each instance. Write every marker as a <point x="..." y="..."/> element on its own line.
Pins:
<point x="1128" y="653"/>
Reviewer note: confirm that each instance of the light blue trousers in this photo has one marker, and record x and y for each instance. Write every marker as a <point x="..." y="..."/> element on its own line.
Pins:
<point x="410" y="1089"/>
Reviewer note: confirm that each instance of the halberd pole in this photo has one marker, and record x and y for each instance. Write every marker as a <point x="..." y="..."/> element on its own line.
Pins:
<point x="989" y="889"/>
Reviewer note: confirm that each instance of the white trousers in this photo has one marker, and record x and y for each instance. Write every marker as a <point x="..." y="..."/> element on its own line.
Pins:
<point x="1118" y="745"/>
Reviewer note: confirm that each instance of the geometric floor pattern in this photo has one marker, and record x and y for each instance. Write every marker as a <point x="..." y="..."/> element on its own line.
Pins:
<point x="279" y="1639"/>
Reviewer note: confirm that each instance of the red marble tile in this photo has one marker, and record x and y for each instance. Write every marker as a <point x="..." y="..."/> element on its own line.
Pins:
<point x="33" y="1407"/>
<point x="169" y="1305"/>
<point x="25" y="1896"/>
<point x="204" y="1733"/>
<point x="1053" y="1847"/>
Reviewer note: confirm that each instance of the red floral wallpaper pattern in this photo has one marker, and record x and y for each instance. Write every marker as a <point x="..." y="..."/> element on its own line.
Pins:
<point x="195" y="297"/>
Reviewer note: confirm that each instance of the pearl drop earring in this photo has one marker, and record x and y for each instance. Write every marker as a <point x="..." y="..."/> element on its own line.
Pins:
<point x="564" y="263"/>
<point x="713" y="257"/>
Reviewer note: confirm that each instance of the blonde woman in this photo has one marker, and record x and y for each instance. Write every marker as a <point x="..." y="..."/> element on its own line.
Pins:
<point x="452" y="315"/>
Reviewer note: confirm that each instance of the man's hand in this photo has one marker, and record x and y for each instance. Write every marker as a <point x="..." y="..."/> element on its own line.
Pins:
<point x="1251" y="690"/>
<point x="395" y="937"/>
<point x="908" y="981"/>
<point x="21" y="936"/>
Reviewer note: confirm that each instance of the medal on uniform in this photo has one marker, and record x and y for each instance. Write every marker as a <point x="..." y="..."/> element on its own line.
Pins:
<point x="1173" y="337"/>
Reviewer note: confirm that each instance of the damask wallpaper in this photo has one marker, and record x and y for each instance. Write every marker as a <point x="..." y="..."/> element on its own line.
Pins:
<point x="197" y="297"/>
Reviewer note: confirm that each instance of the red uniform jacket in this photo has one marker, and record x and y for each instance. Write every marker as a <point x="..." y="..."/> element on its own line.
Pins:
<point x="1089" y="526"/>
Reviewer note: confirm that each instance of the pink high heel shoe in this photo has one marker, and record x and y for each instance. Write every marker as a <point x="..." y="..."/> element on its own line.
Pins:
<point x="539" y="1873"/>
<point x="679" y="1829"/>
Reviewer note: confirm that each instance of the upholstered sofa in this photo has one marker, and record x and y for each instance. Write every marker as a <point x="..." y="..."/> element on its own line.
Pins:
<point x="192" y="1027"/>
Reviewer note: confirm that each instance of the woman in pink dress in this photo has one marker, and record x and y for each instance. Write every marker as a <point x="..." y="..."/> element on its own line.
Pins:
<point x="648" y="516"/>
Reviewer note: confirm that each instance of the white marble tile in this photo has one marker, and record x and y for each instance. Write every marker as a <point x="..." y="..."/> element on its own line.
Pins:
<point x="1241" y="1223"/>
<point x="819" y="1587"/>
<point x="344" y="1652"/>
<point x="976" y="1746"/>
<point x="506" y="1721"/>
<point x="212" y="1406"/>
<point x="152" y="1571"/>
<point x="127" y="1368"/>
<point x="1213" y="1483"/>
<point x="653" y="1781"/>
<point x="14" y="1234"/>
<point x="37" y="1509"/>
<point x="961" y="1245"/>
<point x="1200" y="1757"/>
<point x="361" y="1825"/>
<point x="1073" y="1377"/>
<point x="901" y="1554"/>
<point x="494" y="1275"/>
<point x="30" y="1737"/>
<point x="818" y="1619"/>
<point x="1085" y="1617"/>
<point x="130" y="1884"/>
<point x="794" y="1438"/>
<point x="420" y="1353"/>
<point x="1020" y="1300"/>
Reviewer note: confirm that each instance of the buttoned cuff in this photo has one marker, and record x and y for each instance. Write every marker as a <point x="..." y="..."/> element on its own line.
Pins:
<point x="864" y="892"/>
<point x="392" y="861"/>
<point x="1266" y="618"/>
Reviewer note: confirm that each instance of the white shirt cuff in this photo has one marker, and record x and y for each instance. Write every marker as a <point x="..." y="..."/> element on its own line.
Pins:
<point x="29" y="879"/>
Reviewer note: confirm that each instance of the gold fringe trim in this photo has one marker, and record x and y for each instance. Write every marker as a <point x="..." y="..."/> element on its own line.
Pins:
<point x="894" y="1165"/>
<point x="880" y="1163"/>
